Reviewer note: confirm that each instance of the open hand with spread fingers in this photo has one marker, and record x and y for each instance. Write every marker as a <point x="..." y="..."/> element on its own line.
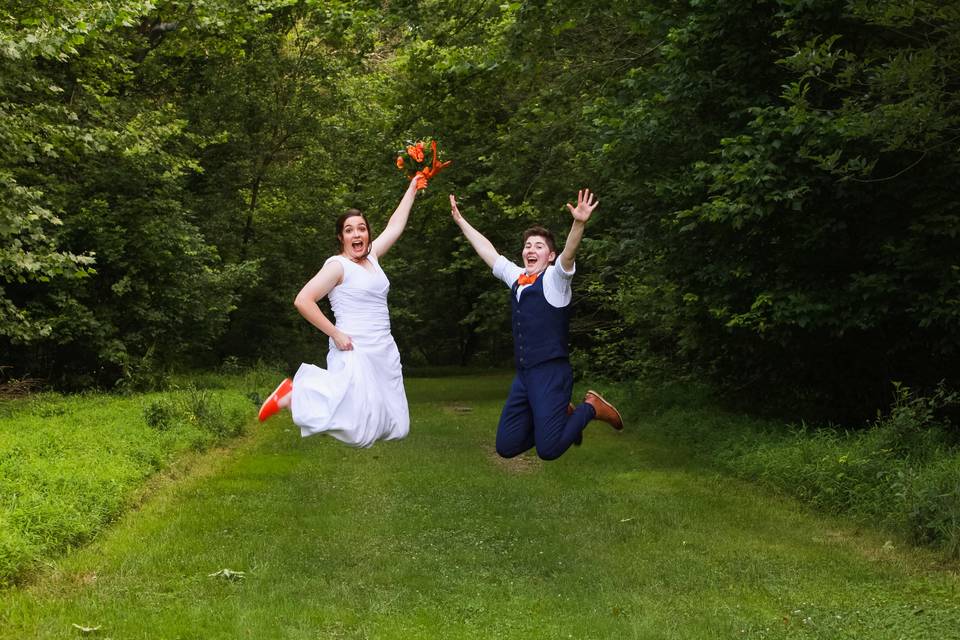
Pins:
<point x="586" y="203"/>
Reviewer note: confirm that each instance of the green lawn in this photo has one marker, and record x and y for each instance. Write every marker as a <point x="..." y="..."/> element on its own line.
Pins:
<point x="436" y="537"/>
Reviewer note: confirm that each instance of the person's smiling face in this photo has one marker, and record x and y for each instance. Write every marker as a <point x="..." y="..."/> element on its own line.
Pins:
<point x="537" y="254"/>
<point x="355" y="238"/>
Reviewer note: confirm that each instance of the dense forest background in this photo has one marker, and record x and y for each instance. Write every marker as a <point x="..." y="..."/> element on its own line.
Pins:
<point x="778" y="183"/>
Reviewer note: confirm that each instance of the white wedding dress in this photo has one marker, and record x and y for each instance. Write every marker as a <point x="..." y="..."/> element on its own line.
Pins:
<point x="359" y="398"/>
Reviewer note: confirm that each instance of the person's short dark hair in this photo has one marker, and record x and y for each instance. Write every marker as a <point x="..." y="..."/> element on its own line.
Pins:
<point x="349" y="213"/>
<point x="544" y="233"/>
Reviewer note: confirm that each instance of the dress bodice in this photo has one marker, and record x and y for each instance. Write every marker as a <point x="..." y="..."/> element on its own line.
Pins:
<point x="359" y="302"/>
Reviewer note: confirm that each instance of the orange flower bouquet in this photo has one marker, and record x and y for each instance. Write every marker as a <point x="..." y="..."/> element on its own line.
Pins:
<point x="413" y="161"/>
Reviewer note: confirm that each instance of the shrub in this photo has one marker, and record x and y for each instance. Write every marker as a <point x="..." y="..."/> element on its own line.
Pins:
<point x="142" y="374"/>
<point x="159" y="414"/>
<point x="206" y="411"/>
<point x="916" y="426"/>
<point x="931" y="504"/>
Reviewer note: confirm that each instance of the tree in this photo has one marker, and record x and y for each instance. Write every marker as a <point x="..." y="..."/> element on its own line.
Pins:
<point x="107" y="155"/>
<point x="806" y="231"/>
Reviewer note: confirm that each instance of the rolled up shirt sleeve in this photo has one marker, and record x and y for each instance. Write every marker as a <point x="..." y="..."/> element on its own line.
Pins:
<point x="506" y="270"/>
<point x="557" y="287"/>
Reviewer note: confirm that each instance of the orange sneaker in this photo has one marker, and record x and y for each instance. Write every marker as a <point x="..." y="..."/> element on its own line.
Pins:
<point x="272" y="404"/>
<point x="606" y="412"/>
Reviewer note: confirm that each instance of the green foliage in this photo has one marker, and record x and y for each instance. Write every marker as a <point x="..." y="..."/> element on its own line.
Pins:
<point x="159" y="414"/>
<point x="931" y="498"/>
<point x="33" y="125"/>
<point x="98" y="163"/>
<point x="144" y="374"/>
<point x="776" y="182"/>
<point x="796" y="168"/>
<point x="917" y="424"/>
<point x="202" y="408"/>
<point x="70" y="465"/>
<point x="902" y="473"/>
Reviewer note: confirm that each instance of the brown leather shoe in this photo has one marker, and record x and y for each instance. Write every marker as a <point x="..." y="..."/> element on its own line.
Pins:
<point x="606" y="412"/>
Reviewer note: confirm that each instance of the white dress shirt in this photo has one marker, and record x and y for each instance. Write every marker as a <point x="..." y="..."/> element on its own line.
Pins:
<point x="556" y="281"/>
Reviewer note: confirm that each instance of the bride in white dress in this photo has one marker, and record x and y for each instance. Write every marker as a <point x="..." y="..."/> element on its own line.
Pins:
<point x="359" y="398"/>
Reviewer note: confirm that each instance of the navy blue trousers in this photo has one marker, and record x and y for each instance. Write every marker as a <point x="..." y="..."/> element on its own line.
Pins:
<point x="535" y="414"/>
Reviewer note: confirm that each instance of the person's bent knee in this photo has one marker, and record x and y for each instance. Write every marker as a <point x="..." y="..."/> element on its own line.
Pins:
<point x="508" y="453"/>
<point x="549" y="454"/>
<point x="510" y="447"/>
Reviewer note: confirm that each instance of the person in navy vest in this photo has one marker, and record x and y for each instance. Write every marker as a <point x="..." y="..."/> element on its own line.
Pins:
<point x="538" y="412"/>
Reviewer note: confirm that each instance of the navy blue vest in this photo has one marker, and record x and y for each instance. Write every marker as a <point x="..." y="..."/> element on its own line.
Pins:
<point x="540" y="330"/>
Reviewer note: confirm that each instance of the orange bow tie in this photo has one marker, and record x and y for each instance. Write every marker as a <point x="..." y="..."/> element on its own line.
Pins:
<point x="525" y="279"/>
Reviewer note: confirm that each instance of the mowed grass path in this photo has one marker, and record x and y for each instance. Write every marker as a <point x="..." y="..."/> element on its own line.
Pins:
<point x="435" y="537"/>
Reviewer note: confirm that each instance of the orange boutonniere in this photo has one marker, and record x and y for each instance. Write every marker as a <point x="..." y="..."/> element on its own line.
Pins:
<point x="413" y="161"/>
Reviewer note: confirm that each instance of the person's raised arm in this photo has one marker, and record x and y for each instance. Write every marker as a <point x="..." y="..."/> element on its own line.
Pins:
<point x="478" y="241"/>
<point x="317" y="288"/>
<point x="586" y="203"/>
<point x="397" y="222"/>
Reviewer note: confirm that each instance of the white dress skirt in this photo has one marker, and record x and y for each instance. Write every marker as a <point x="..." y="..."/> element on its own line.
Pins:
<point x="359" y="398"/>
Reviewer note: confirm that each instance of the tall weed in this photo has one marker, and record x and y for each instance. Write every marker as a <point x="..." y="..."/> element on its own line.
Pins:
<point x="917" y="426"/>
<point x="931" y="504"/>
<point x="205" y="410"/>
<point x="143" y="374"/>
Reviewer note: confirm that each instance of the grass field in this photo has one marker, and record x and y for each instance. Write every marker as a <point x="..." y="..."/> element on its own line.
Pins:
<point x="70" y="465"/>
<point x="437" y="537"/>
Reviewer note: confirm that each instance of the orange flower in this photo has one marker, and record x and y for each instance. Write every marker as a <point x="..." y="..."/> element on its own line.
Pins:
<point x="436" y="167"/>
<point x="413" y="158"/>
